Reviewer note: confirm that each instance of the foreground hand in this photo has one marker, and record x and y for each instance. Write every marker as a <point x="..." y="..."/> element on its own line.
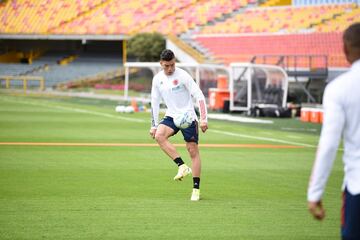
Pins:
<point x="203" y="126"/>
<point x="152" y="132"/>
<point x="316" y="209"/>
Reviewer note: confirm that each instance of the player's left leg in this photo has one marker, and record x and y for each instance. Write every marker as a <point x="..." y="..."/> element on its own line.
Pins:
<point x="193" y="150"/>
<point x="194" y="153"/>
<point x="191" y="136"/>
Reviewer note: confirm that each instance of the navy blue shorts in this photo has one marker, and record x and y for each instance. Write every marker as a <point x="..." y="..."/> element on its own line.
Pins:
<point x="191" y="134"/>
<point x="350" y="216"/>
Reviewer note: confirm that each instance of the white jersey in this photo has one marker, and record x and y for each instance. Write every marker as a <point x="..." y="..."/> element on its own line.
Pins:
<point x="341" y="116"/>
<point x="177" y="91"/>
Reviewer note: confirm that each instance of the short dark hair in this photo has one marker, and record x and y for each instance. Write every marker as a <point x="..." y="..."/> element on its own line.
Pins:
<point x="352" y="36"/>
<point x="167" y="55"/>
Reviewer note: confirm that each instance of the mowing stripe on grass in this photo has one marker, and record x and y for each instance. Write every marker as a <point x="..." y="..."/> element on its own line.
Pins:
<point x="71" y="109"/>
<point x="141" y="120"/>
<point x="143" y="145"/>
<point x="262" y="138"/>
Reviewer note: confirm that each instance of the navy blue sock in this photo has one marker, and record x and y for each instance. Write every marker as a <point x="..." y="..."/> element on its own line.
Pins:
<point x="179" y="161"/>
<point x="196" y="181"/>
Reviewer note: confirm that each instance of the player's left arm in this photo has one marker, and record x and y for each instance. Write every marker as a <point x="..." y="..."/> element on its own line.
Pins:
<point x="196" y="92"/>
<point x="203" y="115"/>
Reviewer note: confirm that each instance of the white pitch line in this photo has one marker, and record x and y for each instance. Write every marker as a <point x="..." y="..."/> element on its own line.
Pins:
<point x="262" y="138"/>
<point x="100" y="114"/>
<point x="77" y="110"/>
<point x="228" y="117"/>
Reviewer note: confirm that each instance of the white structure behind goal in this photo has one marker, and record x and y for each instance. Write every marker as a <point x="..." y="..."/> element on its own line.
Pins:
<point x="259" y="85"/>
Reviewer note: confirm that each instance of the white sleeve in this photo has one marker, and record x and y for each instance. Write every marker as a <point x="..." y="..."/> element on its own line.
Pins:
<point x="155" y="104"/>
<point x="196" y="92"/>
<point x="334" y="120"/>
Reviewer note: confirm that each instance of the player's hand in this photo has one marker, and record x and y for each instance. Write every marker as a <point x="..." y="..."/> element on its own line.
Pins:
<point x="152" y="132"/>
<point x="203" y="126"/>
<point x="317" y="210"/>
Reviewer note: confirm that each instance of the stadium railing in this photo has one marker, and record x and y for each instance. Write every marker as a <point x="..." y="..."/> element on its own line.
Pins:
<point x="25" y="80"/>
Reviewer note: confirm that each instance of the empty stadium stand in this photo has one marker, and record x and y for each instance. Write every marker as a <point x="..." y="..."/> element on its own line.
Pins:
<point x="339" y="23"/>
<point x="282" y="31"/>
<point x="196" y="14"/>
<point x="128" y="17"/>
<point x="280" y="19"/>
<point x="83" y="66"/>
<point x="77" y="70"/>
<point x="65" y="61"/>
<point x="132" y="16"/>
<point x="244" y="47"/>
<point x="111" y="16"/>
<point x="222" y="30"/>
<point x="38" y="17"/>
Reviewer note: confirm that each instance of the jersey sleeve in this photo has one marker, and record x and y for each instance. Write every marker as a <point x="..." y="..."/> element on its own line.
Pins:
<point x="155" y="103"/>
<point x="334" y="120"/>
<point x="196" y="92"/>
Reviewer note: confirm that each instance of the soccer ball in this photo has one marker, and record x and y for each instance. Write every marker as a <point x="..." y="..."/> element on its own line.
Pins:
<point x="183" y="120"/>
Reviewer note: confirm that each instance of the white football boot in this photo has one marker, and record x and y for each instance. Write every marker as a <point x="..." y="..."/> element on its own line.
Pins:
<point x="183" y="171"/>
<point x="195" y="196"/>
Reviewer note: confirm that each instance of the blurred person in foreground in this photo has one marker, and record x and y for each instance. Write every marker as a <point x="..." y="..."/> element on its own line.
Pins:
<point x="341" y="120"/>
<point x="176" y="87"/>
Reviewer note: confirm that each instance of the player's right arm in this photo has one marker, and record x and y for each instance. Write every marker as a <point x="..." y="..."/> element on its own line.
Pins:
<point x="155" y="107"/>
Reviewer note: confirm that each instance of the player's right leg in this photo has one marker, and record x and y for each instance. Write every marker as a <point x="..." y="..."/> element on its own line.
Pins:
<point x="162" y="135"/>
<point x="163" y="132"/>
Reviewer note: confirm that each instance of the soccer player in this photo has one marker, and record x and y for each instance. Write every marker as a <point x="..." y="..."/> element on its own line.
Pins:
<point x="341" y="118"/>
<point x="176" y="87"/>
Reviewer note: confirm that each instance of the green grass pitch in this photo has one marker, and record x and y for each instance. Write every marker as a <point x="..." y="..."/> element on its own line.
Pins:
<point x="115" y="192"/>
